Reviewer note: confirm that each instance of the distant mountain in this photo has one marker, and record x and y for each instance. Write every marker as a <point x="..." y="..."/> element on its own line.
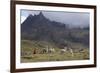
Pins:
<point x="40" y="28"/>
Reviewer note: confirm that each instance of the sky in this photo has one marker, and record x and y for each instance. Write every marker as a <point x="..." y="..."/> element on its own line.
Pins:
<point x="75" y="19"/>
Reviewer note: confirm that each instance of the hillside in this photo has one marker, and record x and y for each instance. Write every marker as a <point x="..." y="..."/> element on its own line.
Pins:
<point x="41" y="29"/>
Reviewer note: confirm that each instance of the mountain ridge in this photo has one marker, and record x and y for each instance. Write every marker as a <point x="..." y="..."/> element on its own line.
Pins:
<point x="40" y="28"/>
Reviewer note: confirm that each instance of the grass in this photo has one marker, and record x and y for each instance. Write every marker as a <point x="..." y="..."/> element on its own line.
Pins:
<point x="28" y="46"/>
<point x="54" y="57"/>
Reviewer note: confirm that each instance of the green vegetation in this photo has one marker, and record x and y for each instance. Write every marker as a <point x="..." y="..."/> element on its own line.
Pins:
<point x="54" y="57"/>
<point x="29" y="46"/>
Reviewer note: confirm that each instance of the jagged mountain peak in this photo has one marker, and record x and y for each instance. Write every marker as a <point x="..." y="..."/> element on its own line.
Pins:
<point x="38" y="20"/>
<point x="41" y="14"/>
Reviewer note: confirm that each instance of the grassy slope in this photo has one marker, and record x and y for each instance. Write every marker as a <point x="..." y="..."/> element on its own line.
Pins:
<point x="29" y="46"/>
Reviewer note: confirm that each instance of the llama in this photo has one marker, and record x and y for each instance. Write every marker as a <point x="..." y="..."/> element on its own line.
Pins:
<point x="34" y="51"/>
<point x="71" y="51"/>
<point x="48" y="50"/>
<point x="51" y="50"/>
<point x="64" y="50"/>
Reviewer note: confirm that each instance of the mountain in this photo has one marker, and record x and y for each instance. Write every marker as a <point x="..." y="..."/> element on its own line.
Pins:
<point x="39" y="28"/>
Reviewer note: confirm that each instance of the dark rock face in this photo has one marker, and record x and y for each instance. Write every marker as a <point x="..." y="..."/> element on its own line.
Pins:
<point x="40" y="26"/>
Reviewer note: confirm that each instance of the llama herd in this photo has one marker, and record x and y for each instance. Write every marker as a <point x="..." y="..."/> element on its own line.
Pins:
<point x="49" y="50"/>
<point x="65" y="49"/>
